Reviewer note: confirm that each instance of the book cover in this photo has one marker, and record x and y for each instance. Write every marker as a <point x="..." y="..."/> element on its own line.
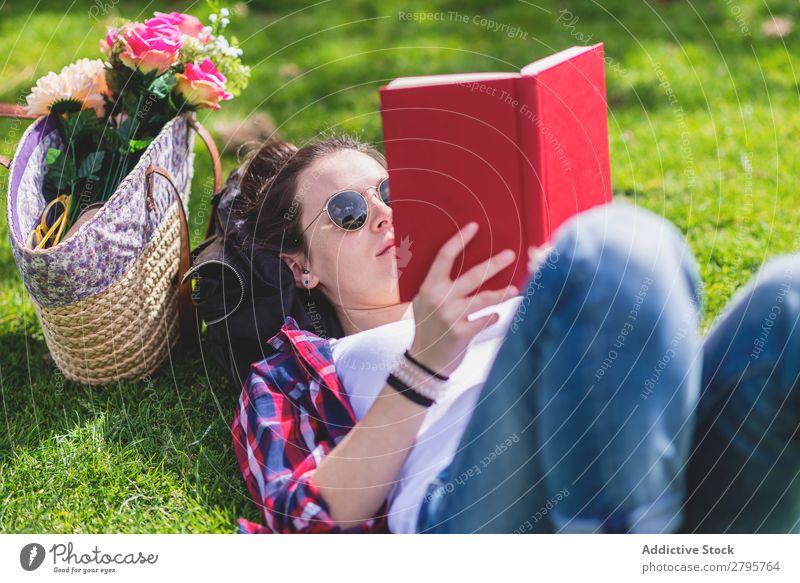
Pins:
<point x="519" y="153"/>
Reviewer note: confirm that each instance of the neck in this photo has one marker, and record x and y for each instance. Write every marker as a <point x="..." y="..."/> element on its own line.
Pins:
<point x="355" y="320"/>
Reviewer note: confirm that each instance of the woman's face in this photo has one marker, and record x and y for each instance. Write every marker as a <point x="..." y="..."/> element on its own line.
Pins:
<point x="348" y="265"/>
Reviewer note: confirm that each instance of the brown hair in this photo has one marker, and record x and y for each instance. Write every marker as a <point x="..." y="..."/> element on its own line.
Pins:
<point x="268" y="199"/>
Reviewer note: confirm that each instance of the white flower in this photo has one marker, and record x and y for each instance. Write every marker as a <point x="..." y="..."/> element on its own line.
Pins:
<point x="221" y="43"/>
<point x="83" y="81"/>
<point x="224" y="12"/>
<point x="212" y="17"/>
<point x="225" y="22"/>
<point x="205" y="34"/>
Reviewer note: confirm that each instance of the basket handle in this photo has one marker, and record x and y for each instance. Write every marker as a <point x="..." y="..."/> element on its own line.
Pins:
<point x="215" y="160"/>
<point x="12" y="110"/>
<point x="185" y="306"/>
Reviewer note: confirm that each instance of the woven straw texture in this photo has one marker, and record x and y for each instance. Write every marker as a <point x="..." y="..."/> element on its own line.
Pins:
<point x="126" y="331"/>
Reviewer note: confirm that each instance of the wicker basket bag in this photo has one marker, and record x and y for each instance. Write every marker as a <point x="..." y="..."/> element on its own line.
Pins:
<point x="109" y="297"/>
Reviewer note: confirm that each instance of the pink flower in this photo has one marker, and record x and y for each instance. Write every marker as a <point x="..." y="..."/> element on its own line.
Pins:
<point x="202" y="85"/>
<point x="107" y="44"/>
<point x="151" y="47"/>
<point x="186" y="23"/>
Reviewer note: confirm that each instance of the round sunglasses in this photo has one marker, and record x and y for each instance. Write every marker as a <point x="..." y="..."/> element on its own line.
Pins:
<point x="349" y="209"/>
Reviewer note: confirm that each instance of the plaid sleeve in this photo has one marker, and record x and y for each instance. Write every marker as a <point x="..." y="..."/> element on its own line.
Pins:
<point x="283" y="427"/>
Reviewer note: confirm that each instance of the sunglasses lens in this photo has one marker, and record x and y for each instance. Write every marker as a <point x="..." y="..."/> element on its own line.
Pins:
<point x="348" y="210"/>
<point x="383" y="188"/>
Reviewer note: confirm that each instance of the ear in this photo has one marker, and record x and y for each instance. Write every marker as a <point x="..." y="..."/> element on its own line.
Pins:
<point x="296" y="261"/>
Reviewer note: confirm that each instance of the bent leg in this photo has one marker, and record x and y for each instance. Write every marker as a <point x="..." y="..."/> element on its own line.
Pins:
<point x="744" y="472"/>
<point x="585" y="421"/>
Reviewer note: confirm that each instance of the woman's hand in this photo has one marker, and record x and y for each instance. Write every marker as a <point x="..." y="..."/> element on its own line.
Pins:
<point x="443" y="332"/>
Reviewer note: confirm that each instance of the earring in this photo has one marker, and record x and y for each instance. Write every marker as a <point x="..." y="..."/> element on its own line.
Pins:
<point x="305" y="279"/>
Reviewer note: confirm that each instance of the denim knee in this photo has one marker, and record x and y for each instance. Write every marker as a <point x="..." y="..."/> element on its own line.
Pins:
<point x="777" y="289"/>
<point x="610" y="249"/>
<point x="742" y="476"/>
<point x="758" y="334"/>
<point x="620" y="242"/>
<point x="621" y="369"/>
<point x="778" y="285"/>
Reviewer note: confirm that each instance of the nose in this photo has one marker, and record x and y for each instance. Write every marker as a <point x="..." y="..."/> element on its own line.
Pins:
<point x="381" y="212"/>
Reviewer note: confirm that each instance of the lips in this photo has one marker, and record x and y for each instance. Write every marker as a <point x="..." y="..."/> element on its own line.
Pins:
<point x="385" y="248"/>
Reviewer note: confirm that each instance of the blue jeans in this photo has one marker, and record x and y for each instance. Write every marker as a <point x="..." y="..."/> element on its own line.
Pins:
<point x="605" y="411"/>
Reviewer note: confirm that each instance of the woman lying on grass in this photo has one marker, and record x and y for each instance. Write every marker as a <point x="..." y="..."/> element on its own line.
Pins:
<point x="588" y="403"/>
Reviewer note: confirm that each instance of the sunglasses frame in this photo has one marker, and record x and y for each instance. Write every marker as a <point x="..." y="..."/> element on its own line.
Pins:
<point x="361" y="194"/>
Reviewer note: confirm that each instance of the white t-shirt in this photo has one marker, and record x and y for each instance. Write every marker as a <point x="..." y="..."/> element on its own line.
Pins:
<point x="363" y="362"/>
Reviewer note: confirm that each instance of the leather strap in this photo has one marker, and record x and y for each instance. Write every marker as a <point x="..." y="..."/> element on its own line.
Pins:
<point x="12" y="110"/>
<point x="186" y="312"/>
<point x="212" y="150"/>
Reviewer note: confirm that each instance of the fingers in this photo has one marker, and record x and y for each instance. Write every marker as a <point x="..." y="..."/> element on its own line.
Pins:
<point x="483" y="300"/>
<point x="443" y="263"/>
<point x="482" y="272"/>
<point x="479" y="324"/>
<point x="490" y="298"/>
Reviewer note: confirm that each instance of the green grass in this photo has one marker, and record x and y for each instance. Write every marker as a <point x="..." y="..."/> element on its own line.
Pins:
<point x="703" y="130"/>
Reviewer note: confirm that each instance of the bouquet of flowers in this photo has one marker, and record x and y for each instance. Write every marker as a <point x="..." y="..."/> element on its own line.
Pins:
<point x="109" y="110"/>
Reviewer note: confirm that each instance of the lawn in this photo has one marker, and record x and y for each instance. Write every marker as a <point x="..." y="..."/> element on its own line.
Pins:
<point x="703" y="120"/>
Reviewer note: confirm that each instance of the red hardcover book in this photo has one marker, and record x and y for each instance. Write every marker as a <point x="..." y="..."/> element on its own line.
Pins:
<point x="517" y="152"/>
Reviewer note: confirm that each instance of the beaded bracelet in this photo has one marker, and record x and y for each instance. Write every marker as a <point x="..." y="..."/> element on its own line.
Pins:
<point x="431" y="372"/>
<point x="417" y="380"/>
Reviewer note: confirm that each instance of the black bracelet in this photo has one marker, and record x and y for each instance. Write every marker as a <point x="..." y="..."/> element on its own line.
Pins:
<point x="408" y="392"/>
<point x="431" y="372"/>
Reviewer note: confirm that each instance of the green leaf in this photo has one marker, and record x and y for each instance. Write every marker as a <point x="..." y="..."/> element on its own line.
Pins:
<point x="91" y="165"/>
<point x="126" y="129"/>
<point x="148" y="78"/>
<point x="119" y="79"/>
<point x="138" y="145"/>
<point x="52" y="155"/>
<point x="64" y="167"/>
<point x="85" y="123"/>
<point x="60" y="176"/>
<point x="162" y="85"/>
<point x="111" y="141"/>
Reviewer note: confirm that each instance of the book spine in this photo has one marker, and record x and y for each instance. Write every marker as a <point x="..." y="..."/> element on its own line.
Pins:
<point x="531" y="163"/>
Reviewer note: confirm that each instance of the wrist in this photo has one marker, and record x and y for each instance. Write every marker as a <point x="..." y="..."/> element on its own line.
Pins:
<point x="406" y="392"/>
<point x="427" y="362"/>
<point x="415" y="383"/>
<point x="425" y="368"/>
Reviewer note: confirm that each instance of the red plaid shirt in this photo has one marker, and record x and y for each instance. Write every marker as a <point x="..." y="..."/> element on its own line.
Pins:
<point x="293" y="410"/>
